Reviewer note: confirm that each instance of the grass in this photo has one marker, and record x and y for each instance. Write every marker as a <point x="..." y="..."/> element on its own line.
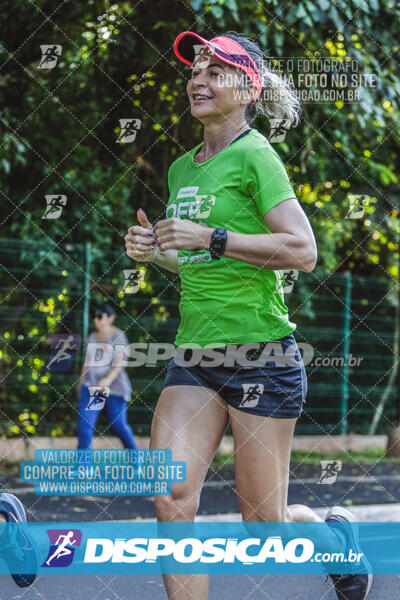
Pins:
<point x="369" y="455"/>
<point x="8" y="467"/>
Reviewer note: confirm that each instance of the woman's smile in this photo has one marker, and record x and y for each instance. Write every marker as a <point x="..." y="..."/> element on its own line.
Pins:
<point x="200" y="98"/>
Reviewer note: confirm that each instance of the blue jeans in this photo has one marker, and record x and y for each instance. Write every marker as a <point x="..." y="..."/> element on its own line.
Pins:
<point x="116" y="409"/>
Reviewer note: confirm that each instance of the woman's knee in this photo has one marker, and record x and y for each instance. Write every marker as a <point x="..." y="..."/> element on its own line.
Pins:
<point x="180" y="505"/>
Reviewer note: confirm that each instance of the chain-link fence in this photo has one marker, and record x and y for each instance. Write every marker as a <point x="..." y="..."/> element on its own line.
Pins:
<point x="347" y="322"/>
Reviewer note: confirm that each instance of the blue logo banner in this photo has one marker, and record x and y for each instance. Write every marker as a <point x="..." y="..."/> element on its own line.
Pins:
<point x="201" y="547"/>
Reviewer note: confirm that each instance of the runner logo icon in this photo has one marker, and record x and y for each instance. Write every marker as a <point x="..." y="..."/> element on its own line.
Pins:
<point x="98" y="397"/>
<point x="50" y="55"/>
<point x="54" y="205"/>
<point x="330" y="471"/>
<point x="251" y="394"/>
<point x="133" y="279"/>
<point x="286" y="279"/>
<point x="278" y="130"/>
<point x="62" y="547"/>
<point x="62" y="351"/>
<point x="129" y="129"/>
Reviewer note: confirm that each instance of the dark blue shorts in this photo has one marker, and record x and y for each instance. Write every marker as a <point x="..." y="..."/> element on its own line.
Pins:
<point x="273" y="388"/>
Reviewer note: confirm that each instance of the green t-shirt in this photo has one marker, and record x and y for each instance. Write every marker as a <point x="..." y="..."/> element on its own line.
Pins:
<point x="227" y="301"/>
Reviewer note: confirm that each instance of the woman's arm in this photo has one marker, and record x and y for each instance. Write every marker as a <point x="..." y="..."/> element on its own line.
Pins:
<point x="290" y="245"/>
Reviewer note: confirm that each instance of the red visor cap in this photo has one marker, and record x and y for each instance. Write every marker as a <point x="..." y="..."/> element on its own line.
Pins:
<point x="224" y="48"/>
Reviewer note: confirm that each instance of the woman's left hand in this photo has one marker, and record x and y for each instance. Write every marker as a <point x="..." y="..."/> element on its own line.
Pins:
<point x="181" y="234"/>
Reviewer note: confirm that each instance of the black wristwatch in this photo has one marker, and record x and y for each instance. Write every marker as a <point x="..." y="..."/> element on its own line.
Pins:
<point x="218" y="243"/>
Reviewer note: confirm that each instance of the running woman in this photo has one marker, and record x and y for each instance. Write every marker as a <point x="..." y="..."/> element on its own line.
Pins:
<point x="233" y="222"/>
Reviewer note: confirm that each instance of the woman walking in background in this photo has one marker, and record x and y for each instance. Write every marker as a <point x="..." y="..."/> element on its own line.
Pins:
<point x="114" y="378"/>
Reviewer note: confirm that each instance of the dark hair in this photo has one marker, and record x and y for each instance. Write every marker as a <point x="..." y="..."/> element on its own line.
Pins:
<point x="283" y="103"/>
<point x="104" y="308"/>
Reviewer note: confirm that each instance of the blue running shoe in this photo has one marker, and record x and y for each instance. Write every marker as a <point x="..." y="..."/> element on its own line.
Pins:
<point x="16" y="543"/>
<point x="350" y="586"/>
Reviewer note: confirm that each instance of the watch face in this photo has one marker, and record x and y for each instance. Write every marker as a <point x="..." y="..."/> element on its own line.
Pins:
<point x="217" y="243"/>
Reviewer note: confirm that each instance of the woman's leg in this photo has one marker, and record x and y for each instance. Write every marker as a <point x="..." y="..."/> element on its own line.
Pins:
<point x="116" y="411"/>
<point x="262" y="460"/>
<point x="86" y="420"/>
<point x="189" y="420"/>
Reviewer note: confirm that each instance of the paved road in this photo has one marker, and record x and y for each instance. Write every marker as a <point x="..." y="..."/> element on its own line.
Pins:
<point x="222" y="587"/>
<point x="356" y="484"/>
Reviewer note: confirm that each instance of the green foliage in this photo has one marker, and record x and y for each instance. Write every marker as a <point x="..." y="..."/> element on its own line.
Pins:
<point x="60" y="125"/>
<point x="367" y="456"/>
<point x="59" y="129"/>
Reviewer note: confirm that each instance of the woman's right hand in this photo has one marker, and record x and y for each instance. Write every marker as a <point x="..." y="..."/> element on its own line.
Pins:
<point x="139" y="242"/>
